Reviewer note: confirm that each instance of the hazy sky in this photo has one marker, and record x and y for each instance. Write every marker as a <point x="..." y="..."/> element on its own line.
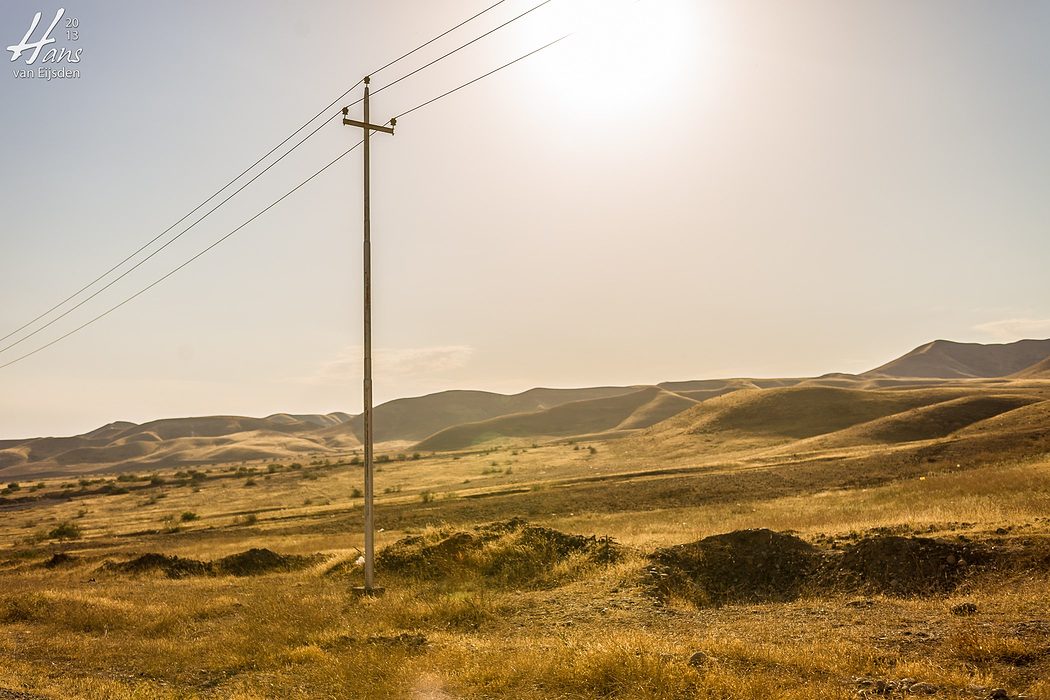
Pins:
<point x="686" y="190"/>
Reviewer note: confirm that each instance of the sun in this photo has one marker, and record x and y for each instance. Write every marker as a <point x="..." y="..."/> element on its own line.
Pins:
<point x="620" y="50"/>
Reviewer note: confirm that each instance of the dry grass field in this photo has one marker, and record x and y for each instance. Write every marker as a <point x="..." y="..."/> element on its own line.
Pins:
<point x="909" y="556"/>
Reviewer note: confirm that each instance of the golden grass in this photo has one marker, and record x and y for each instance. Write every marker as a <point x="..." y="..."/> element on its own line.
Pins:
<point x="565" y="629"/>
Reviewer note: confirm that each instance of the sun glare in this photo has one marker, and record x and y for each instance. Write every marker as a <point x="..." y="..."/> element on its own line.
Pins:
<point x="640" y="46"/>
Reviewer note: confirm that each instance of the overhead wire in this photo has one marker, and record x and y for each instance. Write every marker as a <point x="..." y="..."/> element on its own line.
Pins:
<point x="222" y="189"/>
<point x="281" y="199"/>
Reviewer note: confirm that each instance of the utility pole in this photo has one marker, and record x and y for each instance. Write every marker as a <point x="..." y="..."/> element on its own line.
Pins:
<point x="368" y="589"/>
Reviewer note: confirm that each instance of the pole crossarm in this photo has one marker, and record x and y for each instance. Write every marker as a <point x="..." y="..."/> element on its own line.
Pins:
<point x="363" y="125"/>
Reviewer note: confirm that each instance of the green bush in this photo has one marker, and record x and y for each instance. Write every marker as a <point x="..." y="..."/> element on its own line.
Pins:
<point x="65" y="531"/>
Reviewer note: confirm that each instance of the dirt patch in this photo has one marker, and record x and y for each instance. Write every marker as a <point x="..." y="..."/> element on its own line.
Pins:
<point x="60" y="559"/>
<point x="511" y="552"/>
<point x="152" y="562"/>
<point x="253" y="562"/>
<point x="405" y="640"/>
<point x="904" y="566"/>
<point x="8" y="694"/>
<point x="746" y="566"/>
<point x="757" y="566"/>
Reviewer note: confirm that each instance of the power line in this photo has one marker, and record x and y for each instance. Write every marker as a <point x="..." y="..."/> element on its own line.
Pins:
<point x="422" y="46"/>
<point x="146" y="259"/>
<point x="443" y="57"/>
<point x="482" y="77"/>
<point x="172" y="272"/>
<point x="228" y="184"/>
<point x="275" y="203"/>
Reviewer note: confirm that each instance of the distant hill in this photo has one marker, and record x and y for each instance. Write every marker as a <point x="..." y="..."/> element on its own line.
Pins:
<point x="419" y="417"/>
<point x="198" y="440"/>
<point x="912" y="399"/>
<point x="790" y="423"/>
<point x="1040" y="370"/>
<point x="638" y="409"/>
<point x="945" y="359"/>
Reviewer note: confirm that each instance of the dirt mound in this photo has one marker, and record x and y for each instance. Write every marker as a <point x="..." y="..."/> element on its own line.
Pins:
<point x="753" y="566"/>
<point x="170" y="566"/>
<point x="742" y="566"/>
<point x="509" y="552"/>
<point x="902" y="565"/>
<point x="263" y="561"/>
<point x="252" y="562"/>
<point x="59" y="559"/>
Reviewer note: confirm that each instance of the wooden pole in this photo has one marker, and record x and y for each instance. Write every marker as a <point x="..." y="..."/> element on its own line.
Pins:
<point x="369" y="587"/>
<point x="369" y="465"/>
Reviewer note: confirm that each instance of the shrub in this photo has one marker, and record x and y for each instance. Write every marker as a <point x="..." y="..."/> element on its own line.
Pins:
<point x="356" y="493"/>
<point x="427" y="497"/>
<point x="355" y="460"/>
<point x="65" y="531"/>
<point x="249" y="482"/>
<point x="415" y="455"/>
<point x="188" y="516"/>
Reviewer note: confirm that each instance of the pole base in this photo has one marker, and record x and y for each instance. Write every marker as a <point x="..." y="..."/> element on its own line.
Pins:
<point x="362" y="592"/>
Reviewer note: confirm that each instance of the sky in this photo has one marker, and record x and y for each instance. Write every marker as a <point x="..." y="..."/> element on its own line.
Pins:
<point x="682" y="189"/>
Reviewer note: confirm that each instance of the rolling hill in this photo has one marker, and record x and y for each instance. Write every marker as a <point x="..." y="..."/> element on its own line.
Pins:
<point x="1040" y="370"/>
<point x="197" y="440"/>
<point x="945" y="359"/>
<point x="638" y="409"/>
<point x="941" y="390"/>
<point x="419" y="417"/>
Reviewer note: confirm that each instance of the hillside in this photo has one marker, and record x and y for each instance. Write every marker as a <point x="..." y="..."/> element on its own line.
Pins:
<point x="945" y="359"/>
<point x="935" y="391"/>
<point x="418" y="417"/>
<point x="638" y="409"/>
<point x="1040" y="370"/>
<point x="197" y="440"/>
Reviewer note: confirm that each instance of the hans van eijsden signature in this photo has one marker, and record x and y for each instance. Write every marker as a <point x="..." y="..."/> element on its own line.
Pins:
<point x="54" y="55"/>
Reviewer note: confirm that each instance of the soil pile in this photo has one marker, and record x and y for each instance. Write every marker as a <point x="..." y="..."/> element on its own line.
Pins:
<point x="509" y="552"/>
<point x="263" y="561"/>
<point x="902" y="565"/>
<point x="253" y="562"/>
<point x="758" y="566"/>
<point x="746" y="566"/>
<point x="60" y="559"/>
<point x="152" y="562"/>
